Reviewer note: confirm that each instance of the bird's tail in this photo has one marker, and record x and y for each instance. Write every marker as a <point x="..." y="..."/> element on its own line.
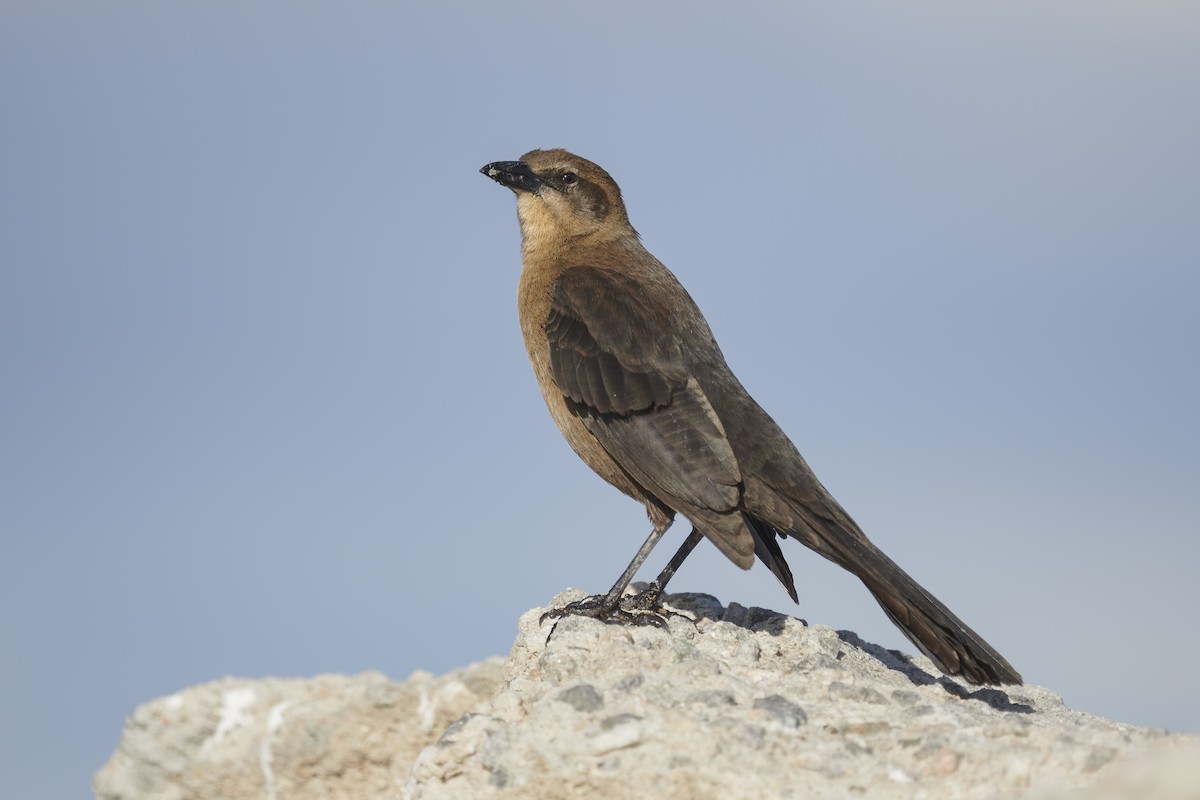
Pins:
<point x="933" y="628"/>
<point x="767" y="549"/>
<point x="942" y="636"/>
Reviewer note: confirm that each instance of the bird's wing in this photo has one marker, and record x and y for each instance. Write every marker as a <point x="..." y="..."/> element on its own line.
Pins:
<point x="618" y="360"/>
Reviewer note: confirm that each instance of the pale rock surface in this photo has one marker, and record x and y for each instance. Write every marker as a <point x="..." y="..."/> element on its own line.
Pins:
<point x="731" y="703"/>
<point x="333" y="736"/>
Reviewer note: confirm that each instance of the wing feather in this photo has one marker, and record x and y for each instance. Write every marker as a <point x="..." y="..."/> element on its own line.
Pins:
<point x="619" y="361"/>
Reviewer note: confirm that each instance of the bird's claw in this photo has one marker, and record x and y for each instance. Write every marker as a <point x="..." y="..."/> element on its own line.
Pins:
<point x="636" y="609"/>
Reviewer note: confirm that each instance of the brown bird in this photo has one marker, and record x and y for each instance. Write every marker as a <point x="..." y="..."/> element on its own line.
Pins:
<point x="638" y="386"/>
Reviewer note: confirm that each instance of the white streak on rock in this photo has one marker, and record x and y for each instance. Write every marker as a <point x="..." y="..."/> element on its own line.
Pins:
<point x="233" y="715"/>
<point x="274" y="722"/>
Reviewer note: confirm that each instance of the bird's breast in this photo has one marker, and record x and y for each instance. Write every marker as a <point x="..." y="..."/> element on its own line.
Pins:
<point x="533" y="303"/>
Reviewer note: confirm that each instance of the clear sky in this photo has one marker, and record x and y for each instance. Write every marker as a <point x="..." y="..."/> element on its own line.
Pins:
<point x="265" y="406"/>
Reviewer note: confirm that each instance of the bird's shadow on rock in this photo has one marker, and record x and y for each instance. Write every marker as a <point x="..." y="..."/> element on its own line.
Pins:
<point x="753" y="618"/>
<point x="895" y="660"/>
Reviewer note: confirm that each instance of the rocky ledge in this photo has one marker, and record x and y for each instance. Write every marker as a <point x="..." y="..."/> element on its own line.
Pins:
<point x="730" y="703"/>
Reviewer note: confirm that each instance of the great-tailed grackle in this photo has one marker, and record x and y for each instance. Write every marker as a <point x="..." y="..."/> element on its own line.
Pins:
<point x="635" y="381"/>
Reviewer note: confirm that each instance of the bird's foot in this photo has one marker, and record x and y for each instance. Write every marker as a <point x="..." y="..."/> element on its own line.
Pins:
<point x="636" y="609"/>
<point x="647" y="601"/>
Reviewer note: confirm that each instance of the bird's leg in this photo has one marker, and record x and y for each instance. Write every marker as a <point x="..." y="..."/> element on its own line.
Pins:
<point x="613" y="598"/>
<point x="647" y="600"/>
<point x="608" y="607"/>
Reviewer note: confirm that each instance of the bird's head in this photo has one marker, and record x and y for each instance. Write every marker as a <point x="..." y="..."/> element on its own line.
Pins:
<point x="562" y="197"/>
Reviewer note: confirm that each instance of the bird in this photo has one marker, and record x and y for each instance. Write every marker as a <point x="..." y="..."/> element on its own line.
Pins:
<point x="634" y="379"/>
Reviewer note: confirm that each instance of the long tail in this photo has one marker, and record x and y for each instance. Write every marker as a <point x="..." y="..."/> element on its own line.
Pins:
<point x="947" y="640"/>
<point x="934" y="629"/>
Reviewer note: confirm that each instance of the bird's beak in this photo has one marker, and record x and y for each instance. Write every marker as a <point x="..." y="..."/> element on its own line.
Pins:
<point x="516" y="175"/>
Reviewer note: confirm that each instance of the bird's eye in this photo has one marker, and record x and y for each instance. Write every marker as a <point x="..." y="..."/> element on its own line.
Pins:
<point x="570" y="178"/>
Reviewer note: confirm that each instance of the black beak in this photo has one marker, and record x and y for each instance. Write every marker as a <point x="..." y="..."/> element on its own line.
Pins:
<point x="516" y="175"/>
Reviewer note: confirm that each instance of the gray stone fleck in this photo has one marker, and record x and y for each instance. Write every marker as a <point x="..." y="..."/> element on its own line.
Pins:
<point x="857" y="694"/>
<point x="581" y="697"/>
<point x="931" y="747"/>
<point x="1099" y="757"/>
<point x="784" y="711"/>
<point x="453" y="728"/>
<point x="618" y="719"/>
<point x="713" y="697"/>
<point x="629" y="682"/>
<point x="498" y="777"/>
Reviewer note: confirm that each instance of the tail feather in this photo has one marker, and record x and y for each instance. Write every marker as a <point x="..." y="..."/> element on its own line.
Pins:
<point x="767" y="549"/>
<point x="934" y="629"/>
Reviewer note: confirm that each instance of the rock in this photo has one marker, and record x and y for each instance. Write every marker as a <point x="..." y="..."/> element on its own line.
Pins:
<point x="729" y="703"/>
<point x="329" y="736"/>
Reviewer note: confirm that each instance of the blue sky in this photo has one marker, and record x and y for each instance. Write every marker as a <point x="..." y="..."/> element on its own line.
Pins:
<point x="266" y="408"/>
